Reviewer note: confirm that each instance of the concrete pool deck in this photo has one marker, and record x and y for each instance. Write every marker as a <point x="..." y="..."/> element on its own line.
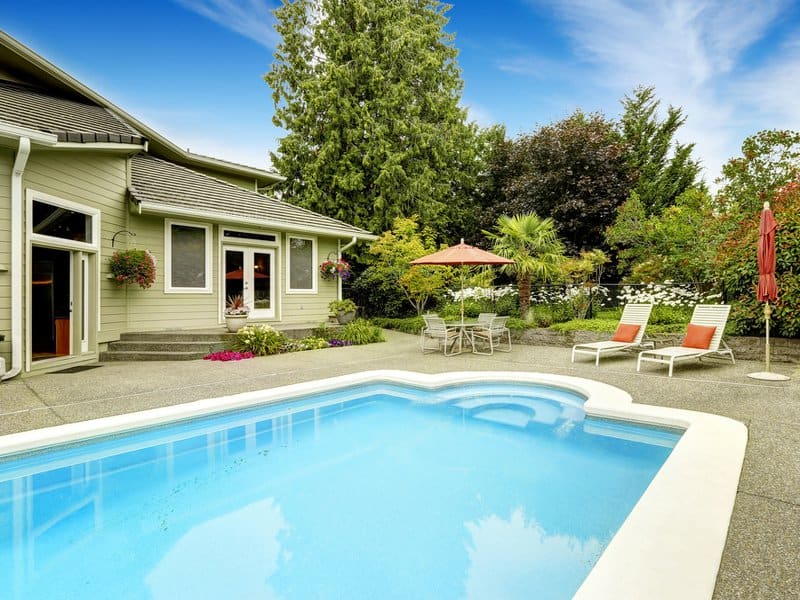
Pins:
<point x="762" y="554"/>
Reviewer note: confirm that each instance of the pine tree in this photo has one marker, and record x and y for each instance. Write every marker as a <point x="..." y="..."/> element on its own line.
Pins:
<point x="368" y="92"/>
<point x="664" y="168"/>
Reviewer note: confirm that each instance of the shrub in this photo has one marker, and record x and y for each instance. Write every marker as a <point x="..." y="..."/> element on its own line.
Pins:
<point x="360" y="331"/>
<point x="307" y="343"/>
<point x="259" y="339"/>
<point x="407" y="325"/>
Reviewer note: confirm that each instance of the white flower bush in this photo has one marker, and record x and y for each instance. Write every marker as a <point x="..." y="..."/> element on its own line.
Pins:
<point x="666" y="294"/>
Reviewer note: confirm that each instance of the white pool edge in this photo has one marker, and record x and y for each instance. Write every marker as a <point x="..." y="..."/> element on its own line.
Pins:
<point x="671" y="544"/>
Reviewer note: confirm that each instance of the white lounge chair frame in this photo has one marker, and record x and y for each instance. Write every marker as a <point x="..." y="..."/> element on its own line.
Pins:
<point x="710" y="315"/>
<point x="444" y="337"/>
<point x="632" y="314"/>
<point x="492" y="335"/>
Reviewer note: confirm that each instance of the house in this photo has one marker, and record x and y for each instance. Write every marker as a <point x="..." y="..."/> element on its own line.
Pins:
<point x="80" y="178"/>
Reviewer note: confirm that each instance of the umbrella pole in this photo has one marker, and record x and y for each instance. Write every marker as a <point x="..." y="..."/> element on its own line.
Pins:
<point x="767" y="313"/>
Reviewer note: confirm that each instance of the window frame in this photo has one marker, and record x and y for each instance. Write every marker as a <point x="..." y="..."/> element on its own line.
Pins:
<point x="314" y="273"/>
<point x="168" y="287"/>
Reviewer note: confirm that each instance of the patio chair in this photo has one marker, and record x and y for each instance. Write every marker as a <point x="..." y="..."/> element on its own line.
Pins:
<point x="442" y="336"/>
<point x="491" y="336"/>
<point x="629" y="333"/>
<point x="484" y="319"/>
<point x="703" y="338"/>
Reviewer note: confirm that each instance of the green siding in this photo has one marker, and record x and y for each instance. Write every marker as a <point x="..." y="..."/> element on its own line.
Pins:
<point x="98" y="181"/>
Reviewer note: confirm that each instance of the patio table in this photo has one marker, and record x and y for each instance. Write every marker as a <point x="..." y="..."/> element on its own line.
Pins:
<point x="463" y="331"/>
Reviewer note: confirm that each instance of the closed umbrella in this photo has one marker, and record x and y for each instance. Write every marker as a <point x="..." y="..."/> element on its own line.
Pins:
<point x="460" y="255"/>
<point x="767" y="287"/>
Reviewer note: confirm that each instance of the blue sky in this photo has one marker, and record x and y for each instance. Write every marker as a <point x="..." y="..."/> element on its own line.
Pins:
<point x="192" y="69"/>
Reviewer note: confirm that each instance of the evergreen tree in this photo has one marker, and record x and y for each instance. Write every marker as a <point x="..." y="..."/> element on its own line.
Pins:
<point x="664" y="168"/>
<point x="368" y="92"/>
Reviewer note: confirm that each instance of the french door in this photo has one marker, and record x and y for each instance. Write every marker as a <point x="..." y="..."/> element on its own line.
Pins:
<point x="251" y="273"/>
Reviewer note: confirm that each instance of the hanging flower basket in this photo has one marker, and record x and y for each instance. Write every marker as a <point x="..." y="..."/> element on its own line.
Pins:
<point x="133" y="267"/>
<point x="333" y="269"/>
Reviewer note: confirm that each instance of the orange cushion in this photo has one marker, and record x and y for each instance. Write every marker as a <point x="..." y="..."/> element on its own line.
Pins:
<point x="625" y="332"/>
<point x="698" y="336"/>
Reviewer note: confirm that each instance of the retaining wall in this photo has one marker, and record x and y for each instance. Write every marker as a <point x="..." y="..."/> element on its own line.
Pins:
<point x="745" y="348"/>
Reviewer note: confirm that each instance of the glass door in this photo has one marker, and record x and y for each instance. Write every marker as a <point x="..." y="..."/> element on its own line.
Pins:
<point x="250" y="272"/>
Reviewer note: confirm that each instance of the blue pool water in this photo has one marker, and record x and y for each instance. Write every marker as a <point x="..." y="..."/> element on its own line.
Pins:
<point x="478" y="491"/>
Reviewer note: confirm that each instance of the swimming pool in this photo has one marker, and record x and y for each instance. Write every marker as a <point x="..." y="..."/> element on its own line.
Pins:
<point x="411" y="448"/>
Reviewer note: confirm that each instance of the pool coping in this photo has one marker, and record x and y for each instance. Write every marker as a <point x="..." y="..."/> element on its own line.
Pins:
<point x="671" y="544"/>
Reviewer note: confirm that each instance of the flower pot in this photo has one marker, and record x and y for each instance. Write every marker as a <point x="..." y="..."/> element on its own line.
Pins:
<point x="235" y="322"/>
<point x="345" y="317"/>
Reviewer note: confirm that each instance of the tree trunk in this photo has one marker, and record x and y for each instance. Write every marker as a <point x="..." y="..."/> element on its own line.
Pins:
<point x="524" y="289"/>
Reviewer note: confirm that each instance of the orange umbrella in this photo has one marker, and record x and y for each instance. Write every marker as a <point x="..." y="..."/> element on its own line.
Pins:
<point x="459" y="255"/>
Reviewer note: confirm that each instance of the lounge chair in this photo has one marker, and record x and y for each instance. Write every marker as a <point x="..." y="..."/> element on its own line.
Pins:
<point x="442" y="336"/>
<point x="703" y="338"/>
<point x="491" y="335"/>
<point x="629" y="333"/>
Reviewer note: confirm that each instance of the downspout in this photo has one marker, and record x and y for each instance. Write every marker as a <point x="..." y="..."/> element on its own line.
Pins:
<point x="342" y="249"/>
<point x="17" y="279"/>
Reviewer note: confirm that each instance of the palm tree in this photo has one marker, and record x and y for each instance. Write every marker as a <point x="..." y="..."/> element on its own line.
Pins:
<point x="534" y="247"/>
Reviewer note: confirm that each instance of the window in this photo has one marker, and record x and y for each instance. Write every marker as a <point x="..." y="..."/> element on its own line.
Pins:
<point x="57" y="222"/>
<point x="188" y="257"/>
<point x="302" y="270"/>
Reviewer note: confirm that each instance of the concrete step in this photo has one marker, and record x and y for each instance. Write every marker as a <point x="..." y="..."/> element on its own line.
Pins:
<point x="167" y="346"/>
<point x="177" y="336"/>
<point x="149" y="355"/>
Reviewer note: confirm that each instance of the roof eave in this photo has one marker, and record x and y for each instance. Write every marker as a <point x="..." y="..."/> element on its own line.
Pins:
<point x="155" y="208"/>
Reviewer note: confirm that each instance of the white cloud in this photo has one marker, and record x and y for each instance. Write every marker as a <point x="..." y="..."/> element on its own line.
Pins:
<point x="250" y="18"/>
<point x="479" y="114"/>
<point x="694" y="53"/>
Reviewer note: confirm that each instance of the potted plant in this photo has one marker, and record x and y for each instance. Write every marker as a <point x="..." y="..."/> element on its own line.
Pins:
<point x="236" y="312"/>
<point x="133" y="267"/>
<point x="345" y="310"/>
<point x="333" y="269"/>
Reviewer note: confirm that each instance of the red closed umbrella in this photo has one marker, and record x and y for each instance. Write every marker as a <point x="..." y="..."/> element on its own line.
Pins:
<point x="767" y="286"/>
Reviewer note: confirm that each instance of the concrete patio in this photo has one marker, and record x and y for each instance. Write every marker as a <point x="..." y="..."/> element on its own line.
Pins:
<point x="762" y="555"/>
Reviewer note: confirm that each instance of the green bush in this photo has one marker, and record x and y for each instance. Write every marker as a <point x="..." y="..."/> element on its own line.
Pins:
<point x="307" y="343"/>
<point x="360" y="331"/>
<point x="259" y="339"/>
<point x="407" y="325"/>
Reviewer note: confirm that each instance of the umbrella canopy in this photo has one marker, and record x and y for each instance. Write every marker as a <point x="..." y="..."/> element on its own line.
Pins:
<point x="767" y="287"/>
<point x="462" y="254"/>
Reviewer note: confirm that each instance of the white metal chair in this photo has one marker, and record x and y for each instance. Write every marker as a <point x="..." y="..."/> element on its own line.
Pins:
<point x="704" y="316"/>
<point x="443" y="337"/>
<point x="632" y="314"/>
<point x="491" y="336"/>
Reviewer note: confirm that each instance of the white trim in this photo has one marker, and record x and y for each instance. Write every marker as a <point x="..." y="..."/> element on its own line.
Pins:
<point x="670" y="545"/>
<point x="314" y="261"/>
<point x="7" y="130"/>
<point x="159" y="209"/>
<point x="247" y="260"/>
<point x="57" y="242"/>
<point x="168" y="287"/>
<point x="102" y="147"/>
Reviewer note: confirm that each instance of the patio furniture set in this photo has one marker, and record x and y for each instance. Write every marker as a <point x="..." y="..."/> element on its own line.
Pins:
<point x="489" y="333"/>
<point x="484" y="336"/>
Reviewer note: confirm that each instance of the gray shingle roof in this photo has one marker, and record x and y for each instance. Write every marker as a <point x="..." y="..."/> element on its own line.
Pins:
<point x="162" y="186"/>
<point x="69" y="120"/>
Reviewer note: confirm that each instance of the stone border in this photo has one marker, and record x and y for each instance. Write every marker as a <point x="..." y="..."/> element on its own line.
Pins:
<point x="671" y="544"/>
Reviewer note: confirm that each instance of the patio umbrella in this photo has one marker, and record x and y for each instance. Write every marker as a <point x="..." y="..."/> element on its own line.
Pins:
<point x="767" y="287"/>
<point x="460" y="255"/>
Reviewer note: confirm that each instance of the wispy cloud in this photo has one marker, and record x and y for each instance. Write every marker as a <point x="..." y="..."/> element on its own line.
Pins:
<point x="695" y="54"/>
<point x="250" y="18"/>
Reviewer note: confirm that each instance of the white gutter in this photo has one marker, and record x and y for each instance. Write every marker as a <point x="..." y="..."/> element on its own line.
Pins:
<point x="16" y="256"/>
<point x="17" y="242"/>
